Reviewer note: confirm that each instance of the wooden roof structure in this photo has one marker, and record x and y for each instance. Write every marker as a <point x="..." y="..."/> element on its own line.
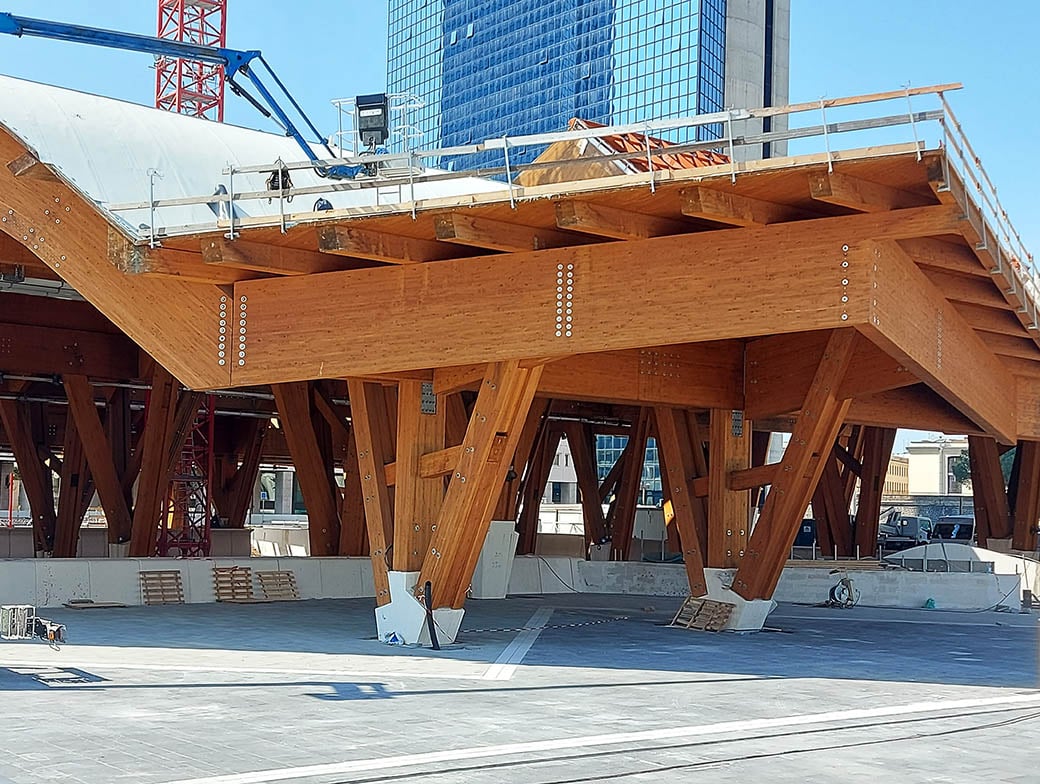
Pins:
<point x="836" y="295"/>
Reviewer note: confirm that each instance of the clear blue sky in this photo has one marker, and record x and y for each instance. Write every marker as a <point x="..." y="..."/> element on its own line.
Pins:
<point x="324" y="50"/>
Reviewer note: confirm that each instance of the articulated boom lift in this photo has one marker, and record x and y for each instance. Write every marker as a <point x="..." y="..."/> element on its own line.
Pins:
<point x="234" y="61"/>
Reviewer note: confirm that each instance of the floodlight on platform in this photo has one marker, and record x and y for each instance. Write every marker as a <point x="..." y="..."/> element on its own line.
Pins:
<point x="373" y="119"/>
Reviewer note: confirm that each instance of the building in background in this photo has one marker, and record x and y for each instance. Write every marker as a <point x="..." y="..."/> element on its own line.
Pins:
<point x="930" y="470"/>
<point x="897" y="478"/>
<point x="486" y="68"/>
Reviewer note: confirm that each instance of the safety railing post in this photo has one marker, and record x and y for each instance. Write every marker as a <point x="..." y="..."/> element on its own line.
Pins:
<point x="913" y="124"/>
<point x="649" y="159"/>
<point x="509" y="172"/>
<point x="826" y="136"/>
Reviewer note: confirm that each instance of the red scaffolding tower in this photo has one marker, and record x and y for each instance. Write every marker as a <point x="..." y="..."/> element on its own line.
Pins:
<point x="184" y="530"/>
<point x="186" y="86"/>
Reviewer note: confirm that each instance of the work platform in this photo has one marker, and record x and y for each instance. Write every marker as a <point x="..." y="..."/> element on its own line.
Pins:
<point x="435" y="335"/>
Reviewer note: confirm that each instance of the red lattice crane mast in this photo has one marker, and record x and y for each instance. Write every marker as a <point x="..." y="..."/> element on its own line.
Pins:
<point x="189" y="86"/>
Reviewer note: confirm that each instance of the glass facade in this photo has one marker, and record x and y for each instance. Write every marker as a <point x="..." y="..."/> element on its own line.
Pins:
<point x="608" y="451"/>
<point x="486" y="68"/>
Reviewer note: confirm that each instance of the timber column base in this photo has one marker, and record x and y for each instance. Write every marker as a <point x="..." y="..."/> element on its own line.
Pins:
<point x="404" y="617"/>
<point x="749" y="615"/>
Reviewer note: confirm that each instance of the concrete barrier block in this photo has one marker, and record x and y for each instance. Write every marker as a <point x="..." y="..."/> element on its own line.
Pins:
<point x="307" y="572"/>
<point x="196" y="576"/>
<point x="526" y="575"/>
<point x="340" y="578"/>
<point x="93" y="543"/>
<point x="115" y="580"/>
<point x="5" y="542"/>
<point x="557" y="575"/>
<point x="18" y="582"/>
<point x="366" y="577"/>
<point x="61" y="579"/>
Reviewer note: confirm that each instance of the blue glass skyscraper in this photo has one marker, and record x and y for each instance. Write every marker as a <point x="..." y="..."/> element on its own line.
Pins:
<point x="485" y="68"/>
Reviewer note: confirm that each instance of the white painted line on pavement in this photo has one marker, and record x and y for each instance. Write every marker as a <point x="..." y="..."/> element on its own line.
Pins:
<point x="505" y="665"/>
<point x="383" y="764"/>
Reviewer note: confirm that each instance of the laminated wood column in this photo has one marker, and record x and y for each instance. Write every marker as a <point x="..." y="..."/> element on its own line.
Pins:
<point x="729" y="449"/>
<point x="677" y="470"/>
<point x="119" y="431"/>
<point x="877" y="443"/>
<point x="35" y="476"/>
<point x="353" y="537"/>
<point x="98" y="451"/>
<point x="992" y="518"/>
<point x="155" y="447"/>
<point x="535" y="477"/>
<point x="238" y="490"/>
<point x="626" y="495"/>
<point x="816" y="427"/>
<point x="583" y="451"/>
<point x="1026" y="512"/>
<point x="498" y="417"/>
<point x="509" y="499"/>
<point x="74" y="484"/>
<point x="313" y="469"/>
<point x="417" y="500"/>
<point x="374" y="442"/>
<point x="830" y="510"/>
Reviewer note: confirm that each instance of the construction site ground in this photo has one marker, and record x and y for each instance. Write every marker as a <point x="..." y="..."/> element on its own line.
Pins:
<point x="605" y="691"/>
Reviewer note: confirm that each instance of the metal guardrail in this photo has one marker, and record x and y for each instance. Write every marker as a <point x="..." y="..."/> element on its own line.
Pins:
<point x="406" y="170"/>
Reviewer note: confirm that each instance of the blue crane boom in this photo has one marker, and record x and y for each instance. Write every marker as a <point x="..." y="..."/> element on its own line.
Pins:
<point x="235" y="62"/>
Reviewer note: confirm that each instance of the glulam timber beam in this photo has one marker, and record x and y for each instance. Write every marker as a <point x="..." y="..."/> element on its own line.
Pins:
<point x="601" y="220"/>
<point x="491" y="234"/>
<point x="918" y="407"/>
<point x="816" y="428"/>
<point x="918" y="327"/>
<point x="967" y="288"/>
<point x="35" y="476"/>
<point x="988" y="319"/>
<point x="262" y="257"/>
<point x="509" y="499"/>
<point x="417" y="500"/>
<point x="535" y="478"/>
<point x="946" y="255"/>
<point x="75" y="489"/>
<point x="877" y="453"/>
<point x="313" y="469"/>
<point x="499" y="414"/>
<point x="779" y="369"/>
<point x="173" y="263"/>
<point x="1026" y="513"/>
<point x="989" y="492"/>
<point x="297" y="331"/>
<point x="582" y="442"/>
<point x="35" y="349"/>
<point x="370" y="422"/>
<point x="677" y="470"/>
<point x="155" y="447"/>
<point x="622" y="516"/>
<point x="98" y="451"/>
<point x="345" y="240"/>
<point x="858" y="194"/>
<point x="729" y="452"/>
<point x="734" y="209"/>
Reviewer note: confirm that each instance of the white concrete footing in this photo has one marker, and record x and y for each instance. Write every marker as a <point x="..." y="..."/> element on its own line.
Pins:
<point x="749" y="615"/>
<point x="403" y="620"/>
<point x="491" y="577"/>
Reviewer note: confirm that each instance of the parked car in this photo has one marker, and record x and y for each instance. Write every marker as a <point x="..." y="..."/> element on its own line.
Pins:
<point x="954" y="528"/>
<point x="904" y="531"/>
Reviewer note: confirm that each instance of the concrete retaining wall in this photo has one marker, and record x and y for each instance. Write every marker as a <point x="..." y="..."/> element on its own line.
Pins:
<point x="48" y="582"/>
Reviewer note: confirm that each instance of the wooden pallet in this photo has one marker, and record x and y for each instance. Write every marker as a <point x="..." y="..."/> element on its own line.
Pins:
<point x="162" y="587"/>
<point x="278" y="586"/>
<point x="233" y="583"/>
<point x="702" y="614"/>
